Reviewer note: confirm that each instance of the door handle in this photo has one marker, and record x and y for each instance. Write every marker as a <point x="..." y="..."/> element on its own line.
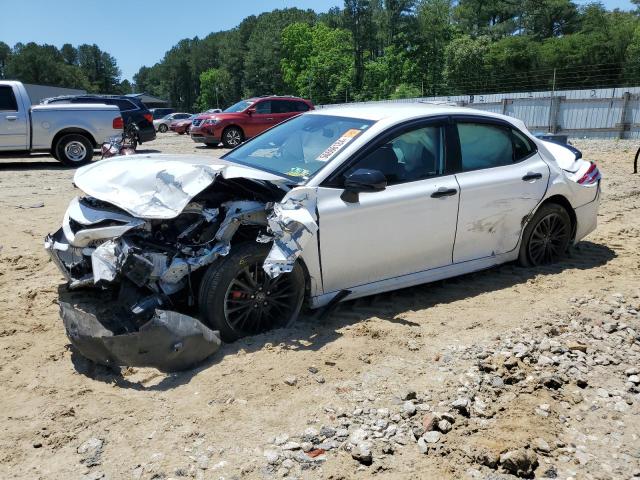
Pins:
<point x="444" y="192"/>
<point x="11" y="118"/>
<point x="531" y="176"/>
<point x="270" y="118"/>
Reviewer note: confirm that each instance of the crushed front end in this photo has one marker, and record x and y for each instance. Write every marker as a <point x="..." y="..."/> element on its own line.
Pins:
<point x="144" y="270"/>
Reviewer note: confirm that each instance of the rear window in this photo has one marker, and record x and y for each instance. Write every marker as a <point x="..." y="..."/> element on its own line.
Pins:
<point x="7" y="99"/>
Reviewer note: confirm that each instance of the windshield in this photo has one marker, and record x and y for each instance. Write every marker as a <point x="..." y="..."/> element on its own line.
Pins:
<point x="301" y="146"/>
<point x="239" y="107"/>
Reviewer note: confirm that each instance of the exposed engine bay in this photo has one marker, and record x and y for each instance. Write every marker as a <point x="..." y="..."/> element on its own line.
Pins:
<point x="152" y="248"/>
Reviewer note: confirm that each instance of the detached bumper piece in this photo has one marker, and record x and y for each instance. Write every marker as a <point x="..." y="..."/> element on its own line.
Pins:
<point x="169" y="341"/>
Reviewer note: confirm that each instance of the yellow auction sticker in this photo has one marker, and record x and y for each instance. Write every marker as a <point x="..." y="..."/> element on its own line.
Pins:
<point x="338" y="145"/>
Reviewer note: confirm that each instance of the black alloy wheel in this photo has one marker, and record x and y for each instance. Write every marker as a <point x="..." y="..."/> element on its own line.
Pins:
<point x="547" y="236"/>
<point x="238" y="298"/>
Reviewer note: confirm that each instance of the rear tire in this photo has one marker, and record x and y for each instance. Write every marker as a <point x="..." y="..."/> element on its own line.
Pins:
<point x="239" y="299"/>
<point x="74" y="150"/>
<point x="232" y="137"/>
<point x="546" y="237"/>
<point x="163" y="128"/>
<point x="180" y="133"/>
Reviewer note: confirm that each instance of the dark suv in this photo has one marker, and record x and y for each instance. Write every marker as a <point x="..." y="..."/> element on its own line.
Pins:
<point x="246" y="119"/>
<point x="131" y="108"/>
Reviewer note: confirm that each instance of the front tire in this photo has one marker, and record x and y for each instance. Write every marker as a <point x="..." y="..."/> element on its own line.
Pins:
<point x="546" y="237"/>
<point x="232" y="137"/>
<point x="163" y="128"/>
<point x="238" y="298"/>
<point x="74" y="150"/>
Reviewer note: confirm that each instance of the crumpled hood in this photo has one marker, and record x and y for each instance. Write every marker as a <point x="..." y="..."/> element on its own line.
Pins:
<point x="157" y="186"/>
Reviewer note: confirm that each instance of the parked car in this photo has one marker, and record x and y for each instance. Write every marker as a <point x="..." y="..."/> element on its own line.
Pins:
<point x="162" y="124"/>
<point x="246" y="119"/>
<point x="69" y="132"/>
<point x="132" y="109"/>
<point x="182" y="126"/>
<point x="159" y="113"/>
<point x="328" y="206"/>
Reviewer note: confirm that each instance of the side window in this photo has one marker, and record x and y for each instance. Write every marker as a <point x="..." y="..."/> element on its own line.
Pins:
<point x="7" y="100"/>
<point x="123" y="105"/>
<point x="411" y="156"/>
<point x="301" y="107"/>
<point x="181" y="116"/>
<point x="280" y="106"/>
<point x="263" y="107"/>
<point x="522" y="146"/>
<point x="484" y="146"/>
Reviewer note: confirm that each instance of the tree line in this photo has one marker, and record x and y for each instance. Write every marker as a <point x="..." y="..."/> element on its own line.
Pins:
<point x="380" y="49"/>
<point x="84" y="67"/>
<point x="369" y="50"/>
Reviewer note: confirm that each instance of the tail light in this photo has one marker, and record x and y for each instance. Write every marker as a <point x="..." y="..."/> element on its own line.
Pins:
<point x="118" y="123"/>
<point x="591" y="176"/>
<point x="148" y="117"/>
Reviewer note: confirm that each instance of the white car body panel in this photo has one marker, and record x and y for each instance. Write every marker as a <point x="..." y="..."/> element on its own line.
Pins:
<point x="379" y="236"/>
<point x="494" y="204"/>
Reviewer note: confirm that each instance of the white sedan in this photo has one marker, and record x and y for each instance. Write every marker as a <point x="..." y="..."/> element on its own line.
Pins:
<point x="331" y="205"/>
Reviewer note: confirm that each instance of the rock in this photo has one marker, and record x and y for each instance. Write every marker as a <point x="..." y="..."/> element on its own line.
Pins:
<point x="543" y="361"/>
<point x="358" y="436"/>
<point x="310" y="435"/>
<point x="409" y="409"/>
<point x="408" y="395"/>
<point x="313" y="370"/>
<point x="291" y="380"/>
<point x="550" y="472"/>
<point x="553" y="381"/>
<point x="281" y="439"/>
<point x="288" y="464"/>
<point x="91" y="451"/>
<point x="462" y="405"/>
<point x="319" y="378"/>
<point x="511" y="363"/>
<point x="487" y="458"/>
<point x="521" y="462"/>
<point x="203" y="462"/>
<point x="327" y="431"/>
<point x="602" y="393"/>
<point x="291" y="446"/>
<point x="306" y="446"/>
<point x="432" y="437"/>
<point x="577" y="346"/>
<point x="632" y="371"/>
<point x="429" y="421"/>
<point x="382" y="412"/>
<point x="422" y="446"/>
<point x="520" y="350"/>
<point x="362" y="453"/>
<point x="540" y="445"/>
<point x="444" y="426"/>
<point x="272" y="456"/>
<point x="634" y="379"/>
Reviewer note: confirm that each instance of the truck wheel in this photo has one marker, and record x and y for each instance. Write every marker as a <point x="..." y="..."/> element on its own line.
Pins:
<point x="238" y="298"/>
<point x="74" y="150"/>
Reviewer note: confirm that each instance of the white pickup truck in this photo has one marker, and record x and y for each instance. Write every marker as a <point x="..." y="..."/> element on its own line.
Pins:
<point x="69" y="131"/>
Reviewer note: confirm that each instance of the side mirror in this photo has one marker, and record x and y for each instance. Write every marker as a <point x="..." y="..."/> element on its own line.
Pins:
<point x="363" y="180"/>
<point x="251" y="111"/>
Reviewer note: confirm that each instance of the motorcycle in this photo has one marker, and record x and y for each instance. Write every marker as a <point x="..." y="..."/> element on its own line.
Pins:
<point x="123" y="145"/>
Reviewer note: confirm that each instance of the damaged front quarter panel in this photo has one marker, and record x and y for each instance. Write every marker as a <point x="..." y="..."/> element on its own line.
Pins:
<point x="293" y="222"/>
<point x="150" y="244"/>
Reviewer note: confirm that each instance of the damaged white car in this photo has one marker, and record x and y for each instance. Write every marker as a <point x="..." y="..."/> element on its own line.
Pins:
<point x="334" y="204"/>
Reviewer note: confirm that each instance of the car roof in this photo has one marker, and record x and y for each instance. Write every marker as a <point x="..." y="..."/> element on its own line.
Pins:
<point x="397" y="112"/>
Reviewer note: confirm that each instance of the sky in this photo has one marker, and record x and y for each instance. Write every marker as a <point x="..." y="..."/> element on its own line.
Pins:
<point x="139" y="32"/>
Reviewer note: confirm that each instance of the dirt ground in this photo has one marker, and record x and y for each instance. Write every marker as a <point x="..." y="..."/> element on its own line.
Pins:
<point x="215" y="421"/>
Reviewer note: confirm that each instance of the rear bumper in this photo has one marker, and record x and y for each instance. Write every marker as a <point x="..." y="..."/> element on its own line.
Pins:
<point x="587" y="217"/>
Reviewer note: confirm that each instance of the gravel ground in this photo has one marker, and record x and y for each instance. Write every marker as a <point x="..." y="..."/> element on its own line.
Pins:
<point x="499" y="374"/>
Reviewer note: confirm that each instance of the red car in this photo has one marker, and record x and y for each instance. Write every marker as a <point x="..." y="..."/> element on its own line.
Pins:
<point x="182" y="126"/>
<point x="246" y="119"/>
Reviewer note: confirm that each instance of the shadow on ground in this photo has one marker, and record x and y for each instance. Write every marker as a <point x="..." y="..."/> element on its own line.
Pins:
<point x="311" y="334"/>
